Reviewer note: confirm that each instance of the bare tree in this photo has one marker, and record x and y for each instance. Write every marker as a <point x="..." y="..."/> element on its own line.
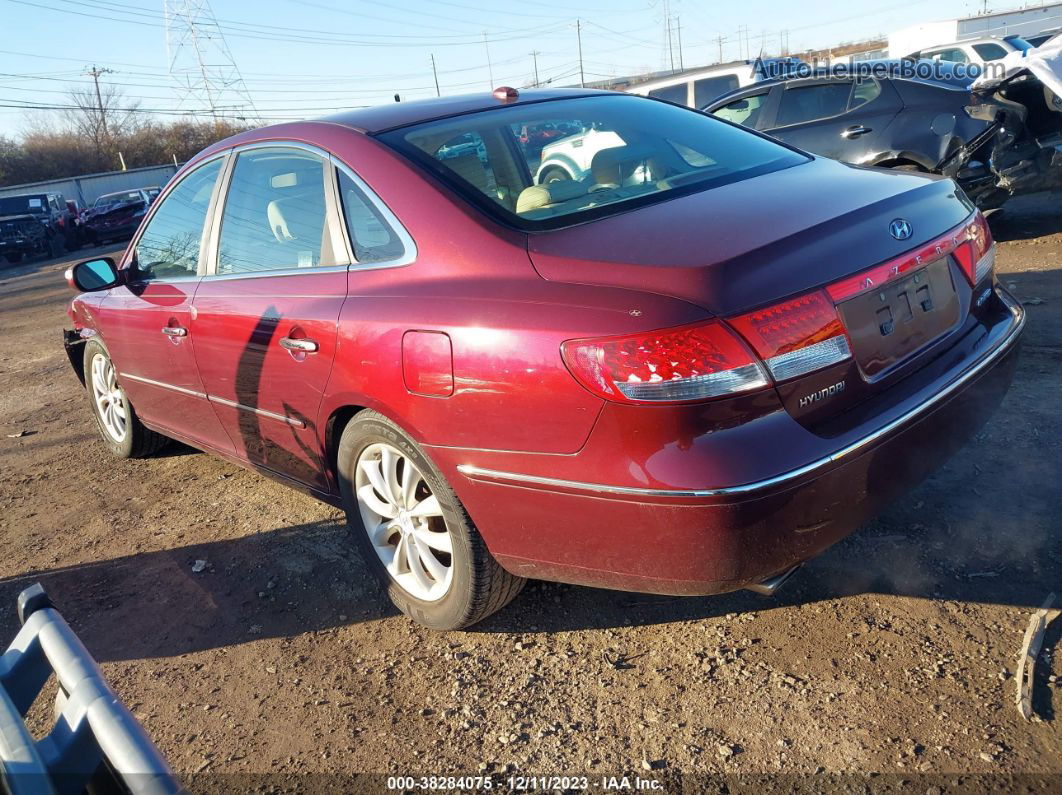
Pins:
<point x="102" y="118"/>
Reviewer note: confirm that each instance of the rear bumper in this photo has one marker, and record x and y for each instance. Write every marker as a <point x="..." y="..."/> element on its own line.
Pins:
<point x="717" y="538"/>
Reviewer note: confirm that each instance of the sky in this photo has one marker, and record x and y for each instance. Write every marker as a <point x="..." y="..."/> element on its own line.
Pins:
<point x="309" y="58"/>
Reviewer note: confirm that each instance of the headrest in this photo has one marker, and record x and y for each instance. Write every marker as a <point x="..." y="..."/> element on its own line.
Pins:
<point x="549" y="193"/>
<point x="614" y="165"/>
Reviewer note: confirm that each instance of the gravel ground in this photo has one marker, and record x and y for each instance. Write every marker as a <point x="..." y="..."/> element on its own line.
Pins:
<point x="893" y="653"/>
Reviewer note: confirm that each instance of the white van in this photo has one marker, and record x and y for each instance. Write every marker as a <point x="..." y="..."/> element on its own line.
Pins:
<point x="697" y="88"/>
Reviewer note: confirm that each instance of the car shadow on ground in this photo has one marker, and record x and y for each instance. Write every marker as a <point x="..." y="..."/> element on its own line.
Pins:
<point x="280" y="583"/>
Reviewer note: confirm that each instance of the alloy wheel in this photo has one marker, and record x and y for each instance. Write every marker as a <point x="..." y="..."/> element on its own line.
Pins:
<point x="404" y="522"/>
<point x="110" y="401"/>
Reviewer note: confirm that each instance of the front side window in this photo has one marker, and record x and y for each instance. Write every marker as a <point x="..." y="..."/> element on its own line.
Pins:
<point x="745" y="111"/>
<point x="708" y="88"/>
<point x="990" y="52"/>
<point x="169" y="246"/>
<point x="626" y="152"/>
<point x="809" y="103"/>
<point x="275" y="216"/>
<point x="952" y="55"/>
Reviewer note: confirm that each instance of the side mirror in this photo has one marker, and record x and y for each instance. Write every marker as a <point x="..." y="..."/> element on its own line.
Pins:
<point x="741" y="104"/>
<point x="92" y="275"/>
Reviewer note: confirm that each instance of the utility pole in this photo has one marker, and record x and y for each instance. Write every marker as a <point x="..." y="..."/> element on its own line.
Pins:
<point x="95" y="73"/>
<point x="534" y="56"/>
<point x="438" y="93"/>
<point x="490" y="69"/>
<point x="579" y="38"/>
<point x="678" y="21"/>
<point x="720" y="40"/>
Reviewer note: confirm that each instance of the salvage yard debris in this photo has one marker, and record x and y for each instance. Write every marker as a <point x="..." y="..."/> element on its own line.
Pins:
<point x="1030" y="650"/>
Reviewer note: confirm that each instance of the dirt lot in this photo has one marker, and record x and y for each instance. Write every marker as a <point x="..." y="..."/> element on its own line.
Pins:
<point x="894" y="652"/>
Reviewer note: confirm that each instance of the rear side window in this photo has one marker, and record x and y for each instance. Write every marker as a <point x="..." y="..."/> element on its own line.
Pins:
<point x="708" y="88"/>
<point x="746" y="111"/>
<point x="276" y="216"/>
<point x="809" y="103"/>
<point x="866" y="90"/>
<point x="169" y="246"/>
<point x="373" y="238"/>
<point x="676" y="94"/>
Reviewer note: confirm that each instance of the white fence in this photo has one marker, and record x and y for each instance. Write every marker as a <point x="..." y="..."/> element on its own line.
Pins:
<point x="86" y="188"/>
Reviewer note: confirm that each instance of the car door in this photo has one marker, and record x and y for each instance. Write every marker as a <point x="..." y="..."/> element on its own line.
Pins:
<point x="145" y="322"/>
<point x="839" y="118"/>
<point x="266" y="313"/>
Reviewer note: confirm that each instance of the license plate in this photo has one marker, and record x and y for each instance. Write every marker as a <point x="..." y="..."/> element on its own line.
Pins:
<point x="889" y="323"/>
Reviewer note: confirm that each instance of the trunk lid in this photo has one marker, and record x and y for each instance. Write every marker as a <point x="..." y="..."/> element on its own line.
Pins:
<point x="753" y="244"/>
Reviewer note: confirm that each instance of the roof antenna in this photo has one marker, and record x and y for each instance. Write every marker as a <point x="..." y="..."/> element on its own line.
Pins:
<point x="398" y="98"/>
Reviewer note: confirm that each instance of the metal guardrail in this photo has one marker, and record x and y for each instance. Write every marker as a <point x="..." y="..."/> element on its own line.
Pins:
<point x="95" y="738"/>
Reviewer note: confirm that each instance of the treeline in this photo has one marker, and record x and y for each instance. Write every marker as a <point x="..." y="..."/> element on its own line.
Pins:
<point x="55" y="152"/>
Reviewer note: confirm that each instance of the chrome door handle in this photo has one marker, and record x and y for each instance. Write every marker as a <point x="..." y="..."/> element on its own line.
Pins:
<point x="175" y="331"/>
<point x="855" y="132"/>
<point x="301" y="344"/>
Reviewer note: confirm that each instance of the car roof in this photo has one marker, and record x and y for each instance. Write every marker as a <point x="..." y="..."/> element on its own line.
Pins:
<point x="380" y="118"/>
<point x="950" y="78"/>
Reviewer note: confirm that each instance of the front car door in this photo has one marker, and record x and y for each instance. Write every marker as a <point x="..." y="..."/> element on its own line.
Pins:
<point x="145" y="322"/>
<point x="266" y="314"/>
<point x="839" y="118"/>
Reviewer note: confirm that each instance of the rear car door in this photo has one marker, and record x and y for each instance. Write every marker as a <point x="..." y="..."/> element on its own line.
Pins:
<point x="839" y="118"/>
<point x="266" y="313"/>
<point x="145" y="323"/>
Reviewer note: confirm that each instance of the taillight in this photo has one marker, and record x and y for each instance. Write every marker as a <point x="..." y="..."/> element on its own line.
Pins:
<point x="797" y="336"/>
<point x="678" y="364"/>
<point x="977" y="254"/>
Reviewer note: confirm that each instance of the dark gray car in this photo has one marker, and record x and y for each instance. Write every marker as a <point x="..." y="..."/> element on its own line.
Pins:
<point x="994" y="143"/>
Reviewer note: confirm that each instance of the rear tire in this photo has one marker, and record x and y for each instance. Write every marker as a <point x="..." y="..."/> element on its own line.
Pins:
<point x="120" y="429"/>
<point x="439" y="570"/>
<point x="14" y="257"/>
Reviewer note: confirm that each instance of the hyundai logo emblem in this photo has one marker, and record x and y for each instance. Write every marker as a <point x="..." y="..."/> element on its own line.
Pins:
<point x="900" y="228"/>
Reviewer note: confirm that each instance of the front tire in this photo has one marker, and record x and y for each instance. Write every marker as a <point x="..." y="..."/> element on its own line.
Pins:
<point x="554" y="174"/>
<point x="120" y="429"/>
<point x="413" y="532"/>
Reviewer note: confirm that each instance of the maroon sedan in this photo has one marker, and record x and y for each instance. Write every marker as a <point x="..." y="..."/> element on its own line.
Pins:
<point x="685" y="373"/>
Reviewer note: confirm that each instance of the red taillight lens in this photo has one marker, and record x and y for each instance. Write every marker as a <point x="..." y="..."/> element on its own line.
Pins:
<point x="797" y="336"/>
<point x="977" y="255"/>
<point x="687" y="363"/>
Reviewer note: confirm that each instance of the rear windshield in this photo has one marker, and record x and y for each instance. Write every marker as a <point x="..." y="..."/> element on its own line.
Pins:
<point x="602" y="155"/>
<point x="17" y="205"/>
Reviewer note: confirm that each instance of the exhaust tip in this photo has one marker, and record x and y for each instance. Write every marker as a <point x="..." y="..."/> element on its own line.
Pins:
<point x="771" y="584"/>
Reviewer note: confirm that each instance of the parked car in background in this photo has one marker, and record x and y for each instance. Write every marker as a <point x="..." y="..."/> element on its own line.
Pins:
<point x="115" y="216"/>
<point x="683" y="375"/>
<point x="50" y="210"/>
<point x="698" y="87"/>
<point x="972" y="51"/>
<point x="23" y="236"/>
<point x="994" y="143"/>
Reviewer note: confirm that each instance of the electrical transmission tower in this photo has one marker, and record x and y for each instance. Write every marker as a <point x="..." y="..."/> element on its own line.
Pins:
<point x="201" y="65"/>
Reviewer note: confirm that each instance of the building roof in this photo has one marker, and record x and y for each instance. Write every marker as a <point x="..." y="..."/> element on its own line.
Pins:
<point x="399" y="114"/>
